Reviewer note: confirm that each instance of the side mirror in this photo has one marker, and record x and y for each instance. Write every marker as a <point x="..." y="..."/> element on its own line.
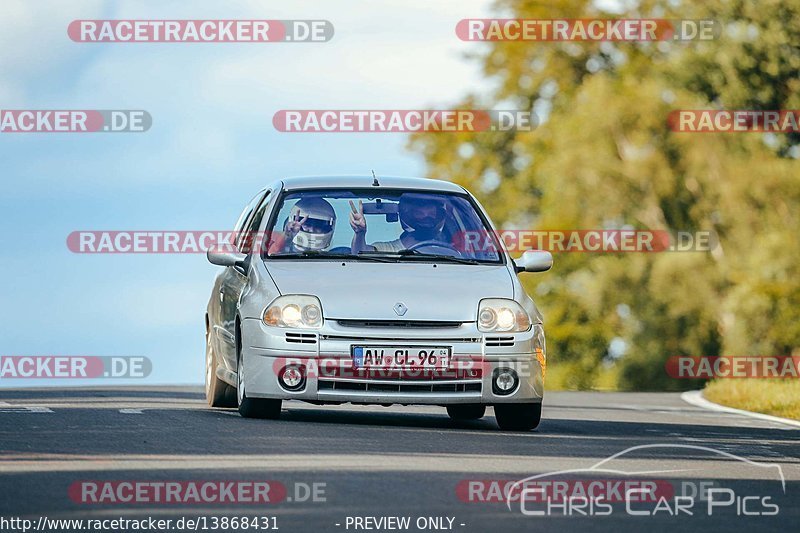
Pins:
<point x="534" y="261"/>
<point x="226" y="259"/>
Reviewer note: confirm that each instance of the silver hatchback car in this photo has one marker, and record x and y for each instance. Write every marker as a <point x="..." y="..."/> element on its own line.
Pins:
<point x="373" y="291"/>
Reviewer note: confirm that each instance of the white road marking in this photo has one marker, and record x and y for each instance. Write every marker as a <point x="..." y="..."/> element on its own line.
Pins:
<point x="6" y="407"/>
<point x="695" y="397"/>
<point x="651" y="408"/>
<point x="131" y="411"/>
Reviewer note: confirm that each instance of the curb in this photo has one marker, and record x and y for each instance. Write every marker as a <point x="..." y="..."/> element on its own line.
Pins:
<point x="695" y="397"/>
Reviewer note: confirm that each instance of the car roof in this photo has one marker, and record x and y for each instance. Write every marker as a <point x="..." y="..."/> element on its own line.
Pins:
<point x="359" y="182"/>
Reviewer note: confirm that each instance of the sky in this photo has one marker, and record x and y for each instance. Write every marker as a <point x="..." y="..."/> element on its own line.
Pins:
<point x="210" y="148"/>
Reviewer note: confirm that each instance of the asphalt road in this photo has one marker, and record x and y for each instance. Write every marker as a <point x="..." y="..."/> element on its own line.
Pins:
<point x="383" y="462"/>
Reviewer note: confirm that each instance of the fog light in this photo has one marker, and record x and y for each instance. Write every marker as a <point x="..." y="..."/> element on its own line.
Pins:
<point x="504" y="381"/>
<point x="292" y="377"/>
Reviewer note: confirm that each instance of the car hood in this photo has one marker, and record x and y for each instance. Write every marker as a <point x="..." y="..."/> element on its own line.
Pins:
<point x="357" y="290"/>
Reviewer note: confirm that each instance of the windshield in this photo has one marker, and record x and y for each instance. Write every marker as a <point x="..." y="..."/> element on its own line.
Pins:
<point x="380" y="225"/>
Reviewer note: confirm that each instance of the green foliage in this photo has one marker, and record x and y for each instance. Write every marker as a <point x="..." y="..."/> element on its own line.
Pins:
<point x="604" y="157"/>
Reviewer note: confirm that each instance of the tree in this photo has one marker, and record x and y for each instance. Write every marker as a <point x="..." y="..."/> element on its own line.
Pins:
<point x="604" y="157"/>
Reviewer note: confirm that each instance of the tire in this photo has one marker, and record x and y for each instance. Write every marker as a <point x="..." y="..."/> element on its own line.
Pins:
<point x="466" y="411"/>
<point x="218" y="393"/>
<point x="518" y="416"/>
<point x="264" y="408"/>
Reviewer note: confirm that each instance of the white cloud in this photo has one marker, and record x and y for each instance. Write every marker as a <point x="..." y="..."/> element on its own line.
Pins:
<point x="33" y="41"/>
<point x="390" y="52"/>
<point x="204" y="98"/>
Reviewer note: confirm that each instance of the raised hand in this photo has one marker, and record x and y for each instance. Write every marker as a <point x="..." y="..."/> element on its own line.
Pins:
<point x="294" y="226"/>
<point x="357" y="220"/>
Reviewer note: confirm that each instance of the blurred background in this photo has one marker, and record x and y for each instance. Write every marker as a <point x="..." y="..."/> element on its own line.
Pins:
<point x="212" y="146"/>
<point x="603" y="157"/>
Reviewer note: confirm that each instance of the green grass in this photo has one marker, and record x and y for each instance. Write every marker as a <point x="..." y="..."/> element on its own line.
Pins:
<point x="561" y="376"/>
<point x="777" y="397"/>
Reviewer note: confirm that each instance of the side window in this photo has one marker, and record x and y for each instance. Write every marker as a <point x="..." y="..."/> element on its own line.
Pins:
<point x="248" y="236"/>
<point x="248" y="210"/>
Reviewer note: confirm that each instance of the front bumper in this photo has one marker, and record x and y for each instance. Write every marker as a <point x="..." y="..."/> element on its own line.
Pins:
<point x="330" y="376"/>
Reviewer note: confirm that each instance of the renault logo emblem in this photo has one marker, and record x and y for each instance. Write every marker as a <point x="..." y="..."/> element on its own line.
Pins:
<point x="400" y="308"/>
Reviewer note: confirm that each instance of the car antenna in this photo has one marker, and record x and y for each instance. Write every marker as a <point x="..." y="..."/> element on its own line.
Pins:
<point x="375" y="182"/>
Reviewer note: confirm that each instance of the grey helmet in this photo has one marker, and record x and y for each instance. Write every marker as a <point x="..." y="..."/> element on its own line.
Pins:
<point x="411" y="207"/>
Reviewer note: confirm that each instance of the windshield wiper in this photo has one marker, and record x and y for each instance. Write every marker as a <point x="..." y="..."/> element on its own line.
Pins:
<point x="316" y="254"/>
<point x="416" y="254"/>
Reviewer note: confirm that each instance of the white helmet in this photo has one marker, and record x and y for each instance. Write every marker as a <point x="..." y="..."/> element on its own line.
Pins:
<point x="317" y="230"/>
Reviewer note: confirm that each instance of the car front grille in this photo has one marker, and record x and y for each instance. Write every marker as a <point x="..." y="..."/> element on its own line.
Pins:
<point x="499" y="341"/>
<point x="419" y="324"/>
<point x="402" y="381"/>
<point x="411" y="388"/>
<point x="302" y="338"/>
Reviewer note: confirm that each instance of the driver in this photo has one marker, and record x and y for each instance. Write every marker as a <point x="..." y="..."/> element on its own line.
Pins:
<point x="422" y="217"/>
<point x="309" y="227"/>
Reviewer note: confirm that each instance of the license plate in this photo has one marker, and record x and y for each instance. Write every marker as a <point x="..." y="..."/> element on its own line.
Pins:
<point x="400" y="357"/>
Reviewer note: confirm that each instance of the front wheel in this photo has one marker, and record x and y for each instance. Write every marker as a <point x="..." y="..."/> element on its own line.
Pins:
<point x="518" y="416"/>
<point x="466" y="411"/>
<point x="265" y="408"/>
<point x="218" y="393"/>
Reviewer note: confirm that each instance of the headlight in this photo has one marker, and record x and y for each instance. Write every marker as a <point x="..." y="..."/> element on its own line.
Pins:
<point x="294" y="311"/>
<point x="498" y="314"/>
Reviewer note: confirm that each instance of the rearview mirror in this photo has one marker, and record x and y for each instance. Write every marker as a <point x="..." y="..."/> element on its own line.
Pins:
<point x="534" y="261"/>
<point x="378" y="207"/>
<point x="226" y="259"/>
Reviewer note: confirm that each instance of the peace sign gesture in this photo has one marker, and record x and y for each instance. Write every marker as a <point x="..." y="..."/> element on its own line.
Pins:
<point x="293" y="225"/>
<point x="357" y="220"/>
